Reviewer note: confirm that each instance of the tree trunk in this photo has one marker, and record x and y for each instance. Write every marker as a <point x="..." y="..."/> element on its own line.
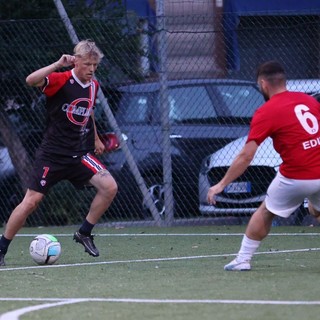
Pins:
<point x="17" y="152"/>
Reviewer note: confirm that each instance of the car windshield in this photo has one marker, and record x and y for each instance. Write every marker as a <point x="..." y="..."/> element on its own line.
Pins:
<point x="136" y="108"/>
<point x="239" y="101"/>
<point x="205" y="103"/>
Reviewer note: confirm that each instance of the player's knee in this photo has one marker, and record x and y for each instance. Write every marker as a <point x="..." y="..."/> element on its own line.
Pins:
<point x="30" y="203"/>
<point x="113" y="187"/>
<point x="109" y="187"/>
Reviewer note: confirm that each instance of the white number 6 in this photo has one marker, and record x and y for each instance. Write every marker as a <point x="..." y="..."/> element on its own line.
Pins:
<point x="308" y="121"/>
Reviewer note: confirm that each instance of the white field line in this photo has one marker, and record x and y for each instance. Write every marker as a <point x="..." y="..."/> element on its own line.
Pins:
<point x="15" y="314"/>
<point x="153" y="260"/>
<point x="191" y="301"/>
<point x="168" y="234"/>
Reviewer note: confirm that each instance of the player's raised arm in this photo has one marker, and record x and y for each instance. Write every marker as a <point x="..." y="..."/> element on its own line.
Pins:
<point x="37" y="78"/>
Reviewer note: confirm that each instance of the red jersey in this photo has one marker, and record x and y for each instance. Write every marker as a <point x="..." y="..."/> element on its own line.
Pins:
<point x="292" y="120"/>
<point x="70" y="130"/>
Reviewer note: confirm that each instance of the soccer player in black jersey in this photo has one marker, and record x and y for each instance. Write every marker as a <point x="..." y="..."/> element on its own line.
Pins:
<point x="70" y="143"/>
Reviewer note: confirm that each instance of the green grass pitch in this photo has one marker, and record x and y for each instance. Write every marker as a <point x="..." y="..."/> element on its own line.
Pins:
<point x="164" y="273"/>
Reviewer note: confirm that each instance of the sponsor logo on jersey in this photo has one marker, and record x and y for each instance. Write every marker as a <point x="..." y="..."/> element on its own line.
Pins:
<point x="77" y="108"/>
<point x="311" y="143"/>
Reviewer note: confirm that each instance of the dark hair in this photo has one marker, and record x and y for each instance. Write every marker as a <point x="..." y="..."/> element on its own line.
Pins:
<point x="272" y="71"/>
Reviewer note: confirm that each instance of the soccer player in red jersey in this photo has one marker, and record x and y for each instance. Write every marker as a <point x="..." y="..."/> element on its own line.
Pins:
<point x="292" y="120"/>
<point x="70" y="143"/>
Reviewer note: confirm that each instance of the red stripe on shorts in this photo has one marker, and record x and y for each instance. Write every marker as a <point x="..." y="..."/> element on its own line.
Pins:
<point x="92" y="163"/>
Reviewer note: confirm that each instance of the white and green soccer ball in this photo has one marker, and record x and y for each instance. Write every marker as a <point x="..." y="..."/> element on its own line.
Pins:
<point x="45" y="249"/>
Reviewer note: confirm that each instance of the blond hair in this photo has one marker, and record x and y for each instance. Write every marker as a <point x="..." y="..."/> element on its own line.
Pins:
<point x="88" y="48"/>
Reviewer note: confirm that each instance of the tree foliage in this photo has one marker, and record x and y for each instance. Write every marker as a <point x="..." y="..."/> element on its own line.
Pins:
<point x="31" y="9"/>
<point x="35" y="35"/>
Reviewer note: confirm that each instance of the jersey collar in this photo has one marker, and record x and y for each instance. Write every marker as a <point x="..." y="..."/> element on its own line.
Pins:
<point x="83" y="85"/>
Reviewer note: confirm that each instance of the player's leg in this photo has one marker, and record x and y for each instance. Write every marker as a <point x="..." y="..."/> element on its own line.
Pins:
<point x="283" y="197"/>
<point x="19" y="215"/>
<point x="257" y="229"/>
<point x="43" y="176"/>
<point x="314" y="212"/>
<point x="17" y="219"/>
<point x="314" y="204"/>
<point x="107" y="189"/>
<point x="260" y="223"/>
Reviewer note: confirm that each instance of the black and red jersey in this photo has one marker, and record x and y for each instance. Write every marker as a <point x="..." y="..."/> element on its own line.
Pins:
<point x="70" y="103"/>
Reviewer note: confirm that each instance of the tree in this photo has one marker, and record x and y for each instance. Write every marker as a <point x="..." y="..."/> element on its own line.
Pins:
<point x="31" y="9"/>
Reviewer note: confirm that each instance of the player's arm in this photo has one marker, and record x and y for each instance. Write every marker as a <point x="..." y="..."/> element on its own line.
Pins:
<point x="37" y="78"/>
<point x="237" y="168"/>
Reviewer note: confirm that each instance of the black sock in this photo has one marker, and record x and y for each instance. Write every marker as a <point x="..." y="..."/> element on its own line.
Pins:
<point x="86" y="228"/>
<point x="4" y="244"/>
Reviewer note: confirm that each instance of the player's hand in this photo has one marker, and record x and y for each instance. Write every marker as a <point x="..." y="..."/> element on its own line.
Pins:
<point x="213" y="191"/>
<point x="66" y="60"/>
<point x="99" y="147"/>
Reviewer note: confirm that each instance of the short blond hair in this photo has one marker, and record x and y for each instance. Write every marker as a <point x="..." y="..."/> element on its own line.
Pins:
<point x="88" y="48"/>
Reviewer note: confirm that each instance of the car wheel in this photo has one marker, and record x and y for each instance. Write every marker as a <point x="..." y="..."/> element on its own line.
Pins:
<point x="156" y="192"/>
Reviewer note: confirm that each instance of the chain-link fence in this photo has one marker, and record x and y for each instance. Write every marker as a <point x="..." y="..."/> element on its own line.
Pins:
<point x="181" y="88"/>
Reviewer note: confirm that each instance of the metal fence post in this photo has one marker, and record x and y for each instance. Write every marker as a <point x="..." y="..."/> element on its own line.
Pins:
<point x="106" y="108"/>
<point x="164" y="107"/>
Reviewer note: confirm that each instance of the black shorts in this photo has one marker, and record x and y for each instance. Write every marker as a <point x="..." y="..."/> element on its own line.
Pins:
<point x="47" y="171"/>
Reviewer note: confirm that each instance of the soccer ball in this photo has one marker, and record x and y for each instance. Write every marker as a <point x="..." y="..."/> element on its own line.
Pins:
<point x="45" y="249"/>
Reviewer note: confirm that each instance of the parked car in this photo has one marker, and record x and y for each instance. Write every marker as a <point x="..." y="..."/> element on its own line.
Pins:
<point x="6" y="166"/>
<point x="310" y="86"/>
<point x="245" y="194"/>
<point x="204" y="116"/>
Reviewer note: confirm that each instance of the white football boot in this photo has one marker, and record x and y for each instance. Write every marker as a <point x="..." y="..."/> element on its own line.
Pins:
<point x="237" y="265"/>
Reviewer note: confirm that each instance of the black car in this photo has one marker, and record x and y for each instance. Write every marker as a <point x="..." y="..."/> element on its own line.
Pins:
<point x="204" y="115"/>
